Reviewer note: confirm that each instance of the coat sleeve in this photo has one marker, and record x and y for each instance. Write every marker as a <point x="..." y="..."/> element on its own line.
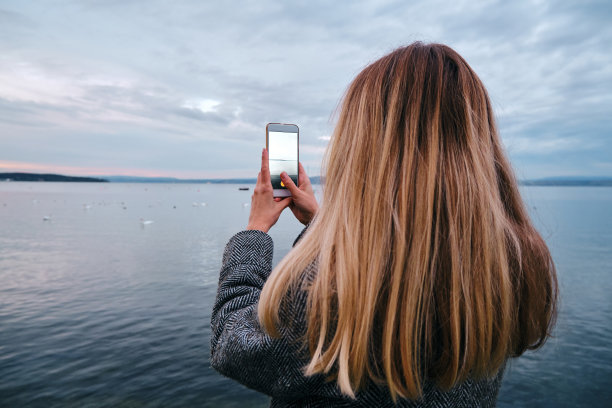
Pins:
<point x="240" y="349"/>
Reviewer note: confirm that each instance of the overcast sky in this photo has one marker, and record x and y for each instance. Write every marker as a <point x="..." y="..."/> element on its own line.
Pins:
<point x="185" y="88"/>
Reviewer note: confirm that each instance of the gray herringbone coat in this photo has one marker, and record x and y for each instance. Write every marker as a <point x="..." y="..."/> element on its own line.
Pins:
<point x="242" y="351"/>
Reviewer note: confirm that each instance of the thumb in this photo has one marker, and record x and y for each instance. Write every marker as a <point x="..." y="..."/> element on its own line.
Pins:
<point x="289" y="184"/>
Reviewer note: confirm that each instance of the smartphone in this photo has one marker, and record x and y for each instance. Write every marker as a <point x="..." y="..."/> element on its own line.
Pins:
<point x="282" y="143"/>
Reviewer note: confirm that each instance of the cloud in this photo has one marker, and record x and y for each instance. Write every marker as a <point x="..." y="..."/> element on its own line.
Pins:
<point x="525" y="145"/>
<point x="202" y="105"/>
<point x="128" y="86"/>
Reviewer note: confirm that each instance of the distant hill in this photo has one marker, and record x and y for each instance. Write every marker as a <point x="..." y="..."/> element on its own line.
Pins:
<point x="569" y="181"/>
<point x="130" y="179"/>
<point x="48" y="177"/>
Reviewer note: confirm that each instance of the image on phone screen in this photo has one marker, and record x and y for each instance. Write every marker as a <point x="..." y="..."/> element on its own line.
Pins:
<point x="283" y="156"/>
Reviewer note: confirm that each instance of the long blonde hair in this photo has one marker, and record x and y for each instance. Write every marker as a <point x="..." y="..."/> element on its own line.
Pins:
<point x="427" y="265"/>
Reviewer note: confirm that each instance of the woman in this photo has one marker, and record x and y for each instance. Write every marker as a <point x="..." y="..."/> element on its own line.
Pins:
<point x="421" y="273"/>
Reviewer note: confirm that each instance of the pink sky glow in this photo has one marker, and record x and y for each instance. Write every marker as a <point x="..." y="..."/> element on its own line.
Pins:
<point x="25" y="167"/>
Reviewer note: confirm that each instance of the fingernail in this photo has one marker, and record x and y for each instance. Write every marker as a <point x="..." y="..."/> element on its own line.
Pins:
<point x="283" y="175"/>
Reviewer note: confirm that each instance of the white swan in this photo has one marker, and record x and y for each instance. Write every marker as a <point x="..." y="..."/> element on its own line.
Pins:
<point x="145" y="222"/>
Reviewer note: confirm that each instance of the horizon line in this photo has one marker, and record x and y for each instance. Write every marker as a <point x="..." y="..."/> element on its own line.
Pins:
<point x="556" y="178"/>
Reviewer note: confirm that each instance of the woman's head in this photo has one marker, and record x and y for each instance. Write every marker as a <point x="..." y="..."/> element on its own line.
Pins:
<point x="427" y="263"/>
<point x="417" y="114"/>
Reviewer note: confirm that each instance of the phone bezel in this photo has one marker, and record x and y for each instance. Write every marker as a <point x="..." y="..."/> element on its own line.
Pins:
<point x="284" y="128"/>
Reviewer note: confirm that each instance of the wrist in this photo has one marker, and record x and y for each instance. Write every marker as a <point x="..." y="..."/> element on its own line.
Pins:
<point x="258" y="227"/>
<point x="308" y="218"/>
<point x="312" y="215"/>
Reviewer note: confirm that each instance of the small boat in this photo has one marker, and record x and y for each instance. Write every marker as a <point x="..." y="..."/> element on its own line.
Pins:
<point x="243" y="188"/>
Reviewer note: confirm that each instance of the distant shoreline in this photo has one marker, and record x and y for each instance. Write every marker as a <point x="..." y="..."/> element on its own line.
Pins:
<point x="567" y="183"/>
<point x="48" y="177"/>
<point x="36" y="177"/>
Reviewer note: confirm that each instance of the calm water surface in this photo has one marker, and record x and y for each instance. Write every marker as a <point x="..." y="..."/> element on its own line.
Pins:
<point x="97" y="309"/>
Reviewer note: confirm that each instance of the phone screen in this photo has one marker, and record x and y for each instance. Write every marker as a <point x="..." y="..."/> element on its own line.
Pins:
<point x="283" y="156"/>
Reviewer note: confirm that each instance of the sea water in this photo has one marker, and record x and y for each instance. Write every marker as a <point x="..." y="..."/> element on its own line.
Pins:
<point x="106" y="291"/>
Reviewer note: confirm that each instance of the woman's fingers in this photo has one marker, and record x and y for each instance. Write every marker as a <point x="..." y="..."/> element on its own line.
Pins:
<point x="265" y="167"/>
<point x="284" y="203"/>
<point x="304" y="204"/>
<point x="259" y="185"/>
<point x="265" y="209"/>
<point x="289" y="184"/>
<point x="303" y="177"/>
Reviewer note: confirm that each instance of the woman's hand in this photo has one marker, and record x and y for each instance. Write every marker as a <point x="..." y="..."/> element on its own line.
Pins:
<point x="265" y="209"/>
<point x="303" y="202"/>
